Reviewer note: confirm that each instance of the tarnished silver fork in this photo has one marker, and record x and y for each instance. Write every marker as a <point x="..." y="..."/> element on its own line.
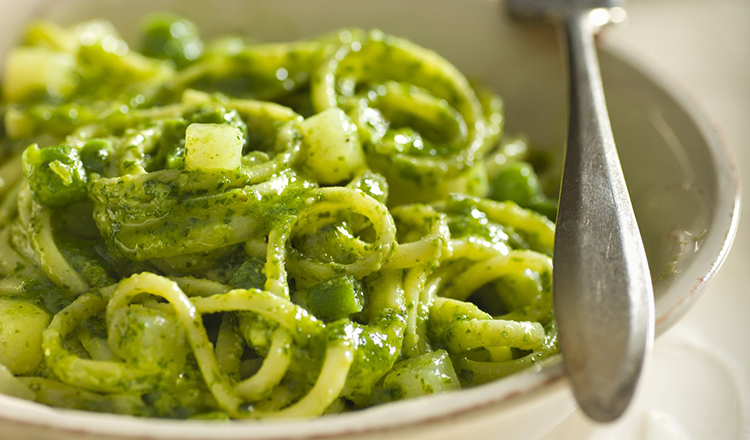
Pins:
<point x="601" y="282"/>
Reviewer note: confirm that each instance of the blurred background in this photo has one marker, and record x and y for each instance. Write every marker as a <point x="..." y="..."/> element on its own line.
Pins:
<point x="698" y="384"/>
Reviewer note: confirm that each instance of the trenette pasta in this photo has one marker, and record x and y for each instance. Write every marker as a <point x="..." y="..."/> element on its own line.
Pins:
<point x="250" y="230"/>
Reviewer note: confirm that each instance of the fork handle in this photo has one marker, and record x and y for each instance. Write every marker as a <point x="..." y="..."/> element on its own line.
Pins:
<point x="602" y="286"/>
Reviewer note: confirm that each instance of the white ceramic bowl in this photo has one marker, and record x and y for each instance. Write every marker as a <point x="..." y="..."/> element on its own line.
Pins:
<point x="683" y="182"/>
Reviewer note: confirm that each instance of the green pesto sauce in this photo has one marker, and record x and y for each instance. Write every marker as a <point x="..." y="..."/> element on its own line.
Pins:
<point x="284" y="262"/>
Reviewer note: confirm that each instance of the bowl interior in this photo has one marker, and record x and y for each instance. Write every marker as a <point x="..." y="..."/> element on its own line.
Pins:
<point x="683" y="184"/>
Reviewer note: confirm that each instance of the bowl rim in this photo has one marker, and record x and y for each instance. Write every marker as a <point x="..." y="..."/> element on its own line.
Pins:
<point x="543" y="378"/>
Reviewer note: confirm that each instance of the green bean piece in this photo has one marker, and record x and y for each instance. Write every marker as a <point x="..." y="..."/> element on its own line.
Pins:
<point x="56" y="174"/>
<point x="171" y="37"/>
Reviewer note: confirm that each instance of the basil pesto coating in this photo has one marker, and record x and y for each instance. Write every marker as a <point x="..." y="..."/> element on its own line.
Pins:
<point x="220" y="229"/>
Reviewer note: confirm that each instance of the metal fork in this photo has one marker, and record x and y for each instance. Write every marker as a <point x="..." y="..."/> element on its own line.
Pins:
<point x="601" y="282"/>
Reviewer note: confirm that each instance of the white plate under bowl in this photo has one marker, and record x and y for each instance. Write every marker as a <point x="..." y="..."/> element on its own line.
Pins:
<point x="684" y="184"/>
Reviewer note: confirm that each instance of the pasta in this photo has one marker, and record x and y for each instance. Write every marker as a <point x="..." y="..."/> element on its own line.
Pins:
<point x="240" y="230"/>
